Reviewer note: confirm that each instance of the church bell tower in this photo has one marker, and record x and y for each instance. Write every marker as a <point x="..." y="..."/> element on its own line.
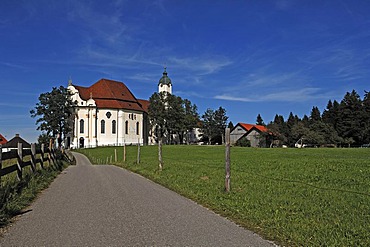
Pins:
<point x="165" y="84"/>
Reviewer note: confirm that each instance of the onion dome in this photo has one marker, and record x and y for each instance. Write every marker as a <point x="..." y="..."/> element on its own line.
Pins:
<point x="165" y="80"/>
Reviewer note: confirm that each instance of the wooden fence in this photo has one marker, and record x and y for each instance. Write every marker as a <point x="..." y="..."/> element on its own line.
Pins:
<point x="20" y="154"/>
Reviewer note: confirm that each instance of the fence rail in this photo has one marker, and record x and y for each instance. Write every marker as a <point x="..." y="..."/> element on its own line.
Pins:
<point x="20" y="153"/>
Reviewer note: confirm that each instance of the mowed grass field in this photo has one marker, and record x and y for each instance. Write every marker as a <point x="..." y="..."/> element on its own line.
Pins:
<point x="295" y="197"/>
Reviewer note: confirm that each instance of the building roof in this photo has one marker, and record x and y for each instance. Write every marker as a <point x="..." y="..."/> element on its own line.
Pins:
<point x="13" y="143"/>
<point x="165" y="80"/>
<point x="248" y="127"/>
<point x="111" y="94"/>
<point x="2" y="140"/>
<point x="144" y="104"/>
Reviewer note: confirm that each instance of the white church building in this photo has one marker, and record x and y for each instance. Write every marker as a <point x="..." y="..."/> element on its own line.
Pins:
<point x="108" y="114"/>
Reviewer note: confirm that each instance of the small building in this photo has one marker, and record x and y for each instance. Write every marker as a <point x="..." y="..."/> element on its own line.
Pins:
<point x="251" y="132"/>
<point x="13" y="144"/>
<point x="2" y="140"/>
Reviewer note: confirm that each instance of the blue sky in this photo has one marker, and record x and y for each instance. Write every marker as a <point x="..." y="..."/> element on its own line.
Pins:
<point x="250" y="57"/>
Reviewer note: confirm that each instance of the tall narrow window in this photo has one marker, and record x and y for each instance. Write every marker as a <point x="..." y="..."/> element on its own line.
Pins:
<point x="102" y="125"/>
<point x="114" y="127"/>
<point x="137" y="128"/>
<point x="126" y="127"/>
<point x="82" y="126"/>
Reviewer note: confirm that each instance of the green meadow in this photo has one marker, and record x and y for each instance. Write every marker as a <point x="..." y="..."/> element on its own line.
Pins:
<point x="295" y="197"/>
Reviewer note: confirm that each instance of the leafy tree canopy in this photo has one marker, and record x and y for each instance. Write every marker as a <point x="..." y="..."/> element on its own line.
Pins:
<point x="54" y="111"/>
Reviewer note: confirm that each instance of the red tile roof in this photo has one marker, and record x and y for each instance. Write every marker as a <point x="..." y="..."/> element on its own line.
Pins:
<point x="112" y="94"/>
<point x="247" y="127"/>
<point x="144" y="104"/>
<point x="2" y="140"/>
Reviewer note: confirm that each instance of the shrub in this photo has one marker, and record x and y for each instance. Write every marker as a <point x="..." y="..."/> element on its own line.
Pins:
<point x="243" y="142"/>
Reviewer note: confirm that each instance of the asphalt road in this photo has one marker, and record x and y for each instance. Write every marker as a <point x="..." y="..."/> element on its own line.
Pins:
<point x="108" y="206"/>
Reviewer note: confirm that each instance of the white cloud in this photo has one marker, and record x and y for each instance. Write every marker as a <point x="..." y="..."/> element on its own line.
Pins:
<point x="203" y="65"/>
<point x="289" y="95"/>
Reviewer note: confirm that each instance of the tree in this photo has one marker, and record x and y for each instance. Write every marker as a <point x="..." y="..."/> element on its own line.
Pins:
<point x="171" y="116"/>
<point x="259" y="120"/>
<point x="366" y="117"/>
<point x="175" y="118"/>
<point x="230" y="125"/>
<point x="279" y="129"/>
<point x="315" y="115"/>
<point x="349" y="123"/>
<point x="191" y="118"/>
<point x="209" y="125"/>
<point x="221" y="122"/>
<point x="55" y="110"/>
<point x="290" y="123"/>
<point x="157" y="114"/>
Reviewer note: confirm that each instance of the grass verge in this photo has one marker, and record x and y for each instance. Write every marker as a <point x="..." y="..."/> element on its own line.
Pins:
<point x="16" y="195"/>
<point x="295" y="197"/>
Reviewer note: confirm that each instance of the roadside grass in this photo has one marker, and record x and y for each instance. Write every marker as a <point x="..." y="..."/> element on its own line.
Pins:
<point x="295" y="197"/>
<point x="16" y="195"/>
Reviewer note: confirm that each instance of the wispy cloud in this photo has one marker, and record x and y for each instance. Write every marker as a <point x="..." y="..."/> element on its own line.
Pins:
<point x="98" y="25"/>
<point x="203" y="65"/>
<point x="12" y="105"/>
<point x="12" y="65"/>
<point x="300" y="95"/>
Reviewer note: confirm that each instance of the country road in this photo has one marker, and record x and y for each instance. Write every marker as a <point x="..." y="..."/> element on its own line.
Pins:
<point x="105" y="205"/>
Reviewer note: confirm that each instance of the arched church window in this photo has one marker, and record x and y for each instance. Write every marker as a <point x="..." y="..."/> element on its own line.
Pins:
<point x="137" y="128"/>
<point x="102" y="126"/>
<point x="126" y="127"/>
<point x="114" y="127"/>
<point x="82" y="126"/>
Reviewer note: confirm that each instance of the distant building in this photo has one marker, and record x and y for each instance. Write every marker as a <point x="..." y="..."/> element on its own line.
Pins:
<point x="2" y="140"/>
<point x="107" y="113"/>
<point x="13" y="144"/>
<point x="252" y="132"/>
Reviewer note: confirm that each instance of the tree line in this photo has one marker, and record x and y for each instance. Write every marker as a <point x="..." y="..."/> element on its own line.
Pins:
<point x="173" y="119"/>
<point x="343" y="123"/>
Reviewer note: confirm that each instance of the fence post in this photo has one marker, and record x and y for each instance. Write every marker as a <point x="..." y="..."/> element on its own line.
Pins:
<point x="1" y="161"/>
<point x="19" y="161"/>
<point x="33" y="157"/>
<point x="138" y="151"/>
<point x="42" y="155"/>
<point x="115" y="155"/>
<point x="50" y="152"/>
<point x="124" y="152"/>
<point x="227" y="160"/>
<point x="160" y="159"/>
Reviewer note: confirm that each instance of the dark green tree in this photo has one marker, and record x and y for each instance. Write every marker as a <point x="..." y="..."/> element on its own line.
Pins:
<point x="315" y="115"/>
<point x="157" y="114"/>
<point x="209" y="127"/>
<point x="191" y="117"/>
<point x="54" y="111"/>
<point x="351" y="114"/>
<point x="172" y="117"/>
<point x="175" y="118"/>
<point x="290" y="123"/>
<point x="221" y="122"/>
<point x="279" y="129"/>
<point x="366" y="117"/>
<point x="230" y="125"/>
<point x="259" y="120"/>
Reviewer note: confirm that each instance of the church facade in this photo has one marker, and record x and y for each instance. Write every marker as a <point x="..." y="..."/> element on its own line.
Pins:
<point x="108" y="114"/>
